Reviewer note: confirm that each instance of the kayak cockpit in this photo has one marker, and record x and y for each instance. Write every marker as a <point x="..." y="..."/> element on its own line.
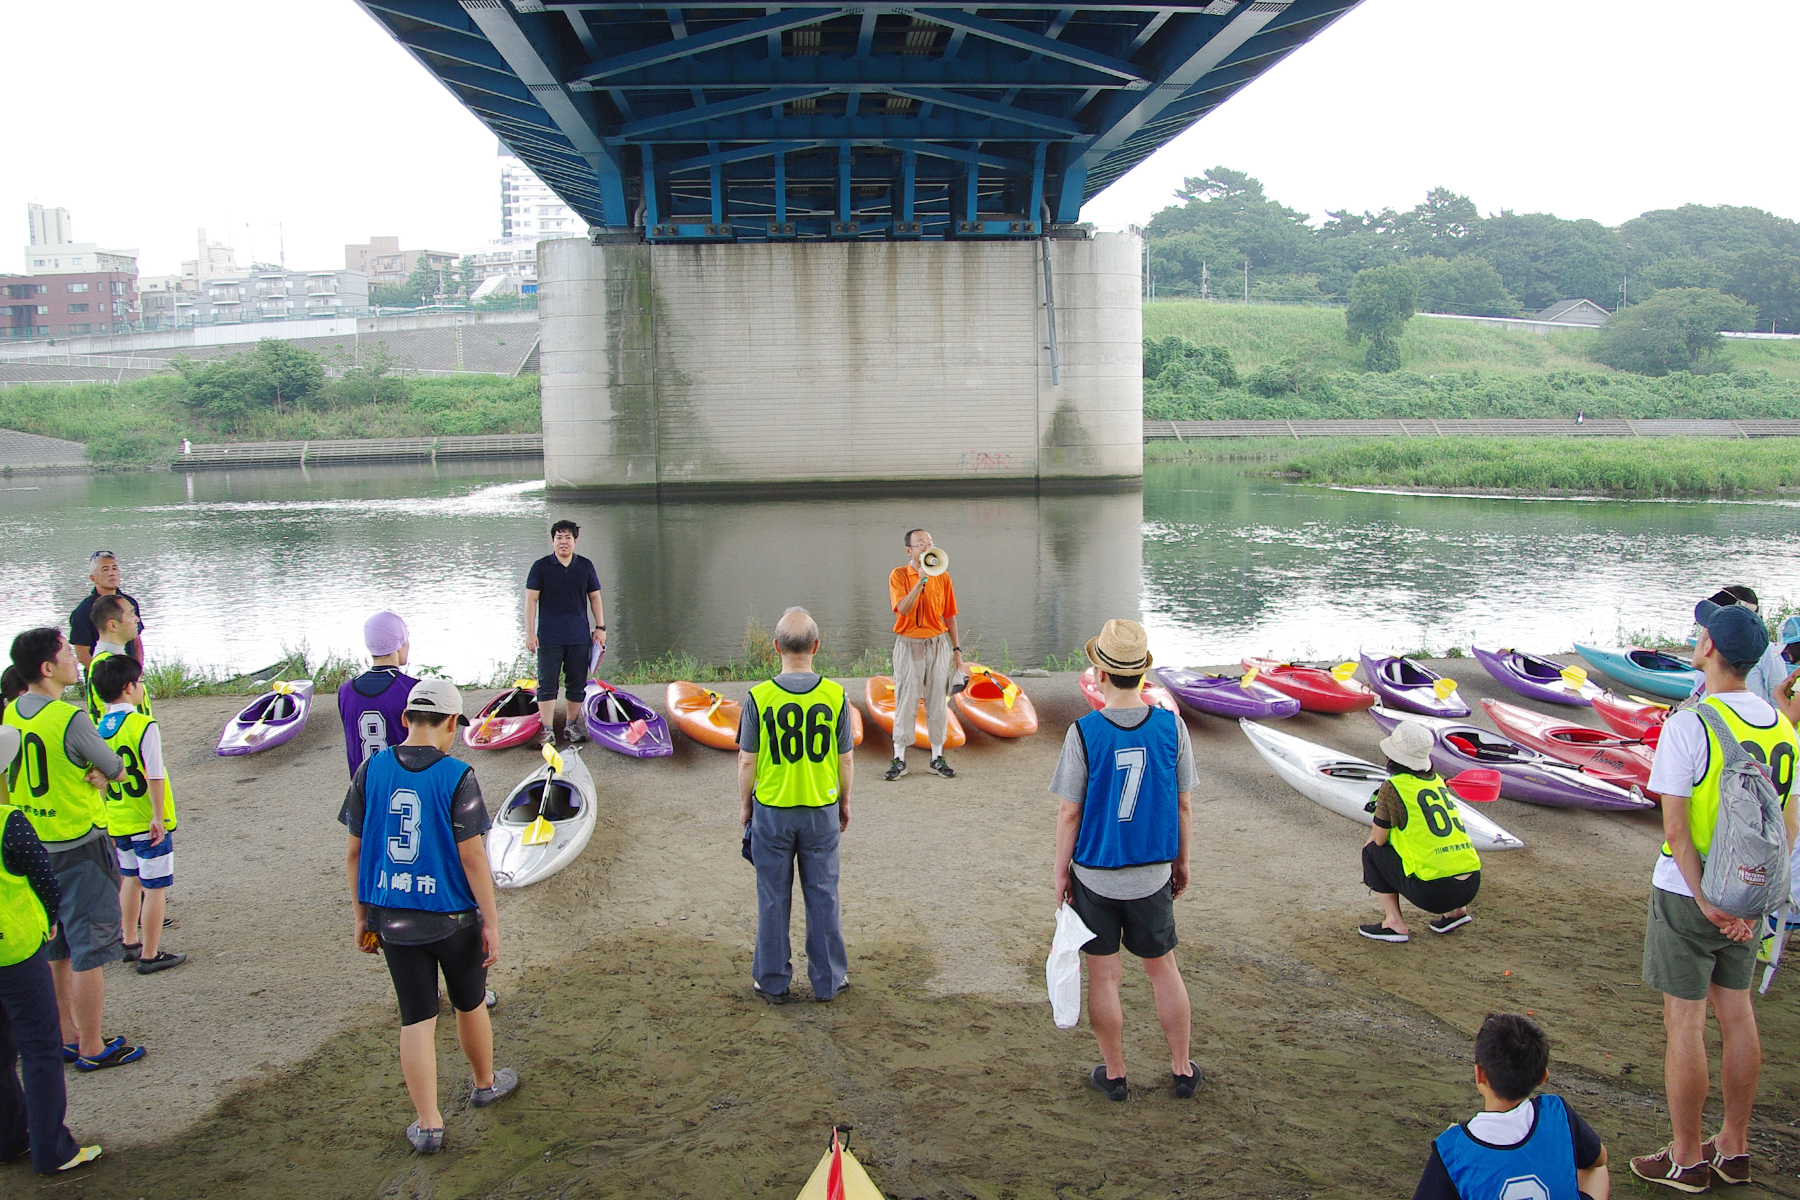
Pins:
<point x="560" y="801"/>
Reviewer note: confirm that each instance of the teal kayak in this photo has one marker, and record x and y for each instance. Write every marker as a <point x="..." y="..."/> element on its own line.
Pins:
<point x="1645" y="670"/>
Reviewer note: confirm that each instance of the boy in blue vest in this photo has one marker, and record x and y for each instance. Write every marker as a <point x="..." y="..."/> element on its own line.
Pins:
<point x="1516" y="1147"/>
<point x="424" y="895"/>
<point x="1125" y="777"/>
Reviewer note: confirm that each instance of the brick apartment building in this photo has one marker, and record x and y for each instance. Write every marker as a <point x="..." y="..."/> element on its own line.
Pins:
<point x="66" y="305"/>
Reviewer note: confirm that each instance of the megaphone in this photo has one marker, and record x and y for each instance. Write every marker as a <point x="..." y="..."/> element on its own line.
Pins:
<point x="935" y="561"/>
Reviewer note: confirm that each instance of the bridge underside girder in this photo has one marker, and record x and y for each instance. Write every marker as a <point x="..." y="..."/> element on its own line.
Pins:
<point x="841" y="119"/>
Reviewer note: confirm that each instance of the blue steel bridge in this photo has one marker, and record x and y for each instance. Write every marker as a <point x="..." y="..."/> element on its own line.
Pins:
<point x="841" y="121"/>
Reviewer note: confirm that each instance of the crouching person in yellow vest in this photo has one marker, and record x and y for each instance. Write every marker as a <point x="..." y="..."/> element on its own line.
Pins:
<point x="794" y="774"/>
<point x="31" y="1117"/>
<point x="1418" y="847"/>
<point x="140" y="811"/>
<point x="56" y="780"/>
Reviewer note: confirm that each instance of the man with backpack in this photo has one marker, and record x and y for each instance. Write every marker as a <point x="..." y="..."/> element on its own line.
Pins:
<point x="1723" y="769"/>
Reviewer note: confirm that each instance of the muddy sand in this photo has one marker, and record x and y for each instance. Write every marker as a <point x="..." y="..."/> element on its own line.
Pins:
<point x="649" y="1069"/>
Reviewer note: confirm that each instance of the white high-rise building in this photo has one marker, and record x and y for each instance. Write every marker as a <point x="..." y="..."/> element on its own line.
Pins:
<point x="529" y="210"/>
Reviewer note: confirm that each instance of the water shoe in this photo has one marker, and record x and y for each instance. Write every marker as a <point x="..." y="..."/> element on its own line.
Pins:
<point x="1446" y="924"/>
<point x="115" y="1056"/>
<point x="1186" y="1084"/>
<point x="505" y="1080"/>
<point x="1381" y="933"/>
<point x="1112" y="1089"/>
<point x="425" y="1141"/>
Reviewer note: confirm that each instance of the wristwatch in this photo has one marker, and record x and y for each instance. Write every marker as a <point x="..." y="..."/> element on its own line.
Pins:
<point x="601" y="628"/>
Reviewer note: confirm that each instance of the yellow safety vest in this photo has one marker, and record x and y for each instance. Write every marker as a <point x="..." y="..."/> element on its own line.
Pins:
<point x="1771" y="745"/>
<point x="797" y="746"/>
<point x="96" y="707"/>
<point x="1432" y="843"/>
<point x="128" y="798"/>
<point x="23" y="923"/>
<point x="53" y="791"/>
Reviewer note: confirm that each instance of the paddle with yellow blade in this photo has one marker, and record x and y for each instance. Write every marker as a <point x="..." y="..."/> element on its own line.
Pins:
<point x="1344" y="672"/>
<point x="1009" y="695"/>
<point x="519" y="685"/>
<point x="540" y="831"/>
<point x="1574" y="678"/>
<point x="1445" y="687"/>
<point x="280" y="689"/>
<point x="1248" y="677"/>
<point x="1650" y="702"/>
<point x="716" y="701"/>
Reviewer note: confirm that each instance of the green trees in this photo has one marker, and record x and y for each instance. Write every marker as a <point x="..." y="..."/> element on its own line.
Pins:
<point x="279" y="376"/>
<point x="1382" y="301"/>
<point x="1466" y="284"/>
<point x="1674" y="330"/>
<point x="1769" y="279"/>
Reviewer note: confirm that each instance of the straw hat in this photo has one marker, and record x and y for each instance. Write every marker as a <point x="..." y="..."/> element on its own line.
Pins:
<point x="1123" y="648"/>
<point x="1409" y="745"/>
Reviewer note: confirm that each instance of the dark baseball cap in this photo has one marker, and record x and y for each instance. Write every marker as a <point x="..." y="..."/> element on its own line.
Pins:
<point x="1737" y="633"/>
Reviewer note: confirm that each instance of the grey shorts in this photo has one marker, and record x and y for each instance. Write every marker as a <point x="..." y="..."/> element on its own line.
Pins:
<point x="1685" y="954"/>
<point x="87" y="924"/>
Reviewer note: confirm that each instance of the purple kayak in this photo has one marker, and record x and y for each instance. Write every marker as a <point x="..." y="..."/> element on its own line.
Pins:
<point x="1525" y="775"/>
<point x="1404" y="684"/>
<point x="1535" y="677"/>
<point x="276" y="716"/>
<point x="620" y="721"/>
<point x="1226" y="695"/>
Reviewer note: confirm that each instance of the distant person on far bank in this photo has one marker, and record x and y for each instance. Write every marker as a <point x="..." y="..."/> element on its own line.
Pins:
<point x="372" y="704"/>
<point x="560" y="592"/>
<point x="423" y="895"/>
<point x="927" y="654"/>
<point x="103" y="573"/>
<point x="1695" y="954"/>
<point x="1126" y="777"/>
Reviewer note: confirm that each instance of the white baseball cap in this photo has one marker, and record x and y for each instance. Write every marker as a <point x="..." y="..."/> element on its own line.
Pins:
<point x="436" y="696"/>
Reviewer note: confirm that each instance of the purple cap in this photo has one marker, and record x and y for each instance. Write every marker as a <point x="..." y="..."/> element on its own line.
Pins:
<point x="384" y="633"/>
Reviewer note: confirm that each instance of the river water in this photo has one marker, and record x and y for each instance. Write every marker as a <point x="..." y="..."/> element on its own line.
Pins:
<point x="231" y="567"/>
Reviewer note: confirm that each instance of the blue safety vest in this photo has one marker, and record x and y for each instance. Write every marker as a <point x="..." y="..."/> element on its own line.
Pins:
<point x="409" y="857"/>
<point x="1132" y="815"/>
<point x="1542" y="1167"/>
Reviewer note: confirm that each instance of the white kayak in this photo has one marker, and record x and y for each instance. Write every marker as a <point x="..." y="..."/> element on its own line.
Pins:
<point x="545" y="822"/>
<point x="1346" y="785"/>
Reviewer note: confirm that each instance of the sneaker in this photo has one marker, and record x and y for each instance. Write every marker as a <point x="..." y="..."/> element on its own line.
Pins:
<point x="938" y="766"/>
<point x="86" y="1154"/>
<point x="425" y="1141"/>
<point x="546" y="738"/>
<point x="505" y="1080"/>
<point x="115" y="1056"/>
<point x="1381" y="933"/>
<point x="895" y="770"/>
<point x="1446" y="924"/>
<point x="1732" y="1169"/>
<point x="772" y="997"/>
<point x="576" y="733"/>
<point x="1112" y="1089"/>
<point x="1662" y="1168"/>
<point x="1185" y="1085"/>
<point x="492" y="998"/>
<point x="162" y="962"/>
<point x="72" y="1050"/>
<point x="135" y="950"/>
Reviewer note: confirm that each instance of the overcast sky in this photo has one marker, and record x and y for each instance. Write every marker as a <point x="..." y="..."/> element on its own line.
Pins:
<point x="307" y="124"/>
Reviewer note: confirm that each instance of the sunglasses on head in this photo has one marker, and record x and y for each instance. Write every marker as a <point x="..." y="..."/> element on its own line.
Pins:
<point x="100" y="554"/>
<point x="1726" y="599"/>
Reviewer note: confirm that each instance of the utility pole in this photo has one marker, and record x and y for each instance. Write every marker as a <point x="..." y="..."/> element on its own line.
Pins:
<point x="1205" y="291"/>
<point x="1246" y="279"/>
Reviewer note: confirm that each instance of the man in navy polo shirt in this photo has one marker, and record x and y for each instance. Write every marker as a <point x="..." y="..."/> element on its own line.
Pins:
<point x="560" y="592"/>
<point x="103" y="572"/>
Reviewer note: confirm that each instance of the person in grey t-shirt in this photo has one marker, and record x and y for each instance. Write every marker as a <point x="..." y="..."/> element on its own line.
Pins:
<point x="1125" y="779"/>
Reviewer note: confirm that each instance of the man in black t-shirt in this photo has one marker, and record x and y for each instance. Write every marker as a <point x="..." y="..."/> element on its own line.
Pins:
<point x="560" y="592"/>
<point x="103" y="572"/>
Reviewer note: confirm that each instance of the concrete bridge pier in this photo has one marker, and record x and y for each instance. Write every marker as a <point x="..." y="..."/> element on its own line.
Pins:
<point x="832" y="366"/>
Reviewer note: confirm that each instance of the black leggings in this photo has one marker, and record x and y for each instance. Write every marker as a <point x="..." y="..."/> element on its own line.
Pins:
<point x="415" y="970"/>
<point x="1384" y="872"/>
<point x="570" y="662"/>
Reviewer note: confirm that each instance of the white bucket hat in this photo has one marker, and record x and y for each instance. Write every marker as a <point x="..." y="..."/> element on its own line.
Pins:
<point x="1409" y="745"/>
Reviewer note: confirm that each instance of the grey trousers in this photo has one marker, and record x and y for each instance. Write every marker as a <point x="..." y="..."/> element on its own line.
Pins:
<point x="780" y="838"/>
<point x="921" y="672"/>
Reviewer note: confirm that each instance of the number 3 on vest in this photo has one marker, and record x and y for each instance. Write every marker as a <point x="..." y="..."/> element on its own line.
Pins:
<point x="405" y="848"/>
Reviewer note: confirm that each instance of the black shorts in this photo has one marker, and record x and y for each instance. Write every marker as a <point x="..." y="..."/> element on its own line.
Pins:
<point x="415" y="970"/>
<point x="1146" y="926"/>
<point x="1384" y="872"/>
<point x="569" y="662"/>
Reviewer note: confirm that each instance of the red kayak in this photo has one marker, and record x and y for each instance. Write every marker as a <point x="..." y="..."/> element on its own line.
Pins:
<point x="1618" y="760"/>
<point x="1316" y="688"/>
<point x="1155" y="694"/>
<point x="1634" y="717"/>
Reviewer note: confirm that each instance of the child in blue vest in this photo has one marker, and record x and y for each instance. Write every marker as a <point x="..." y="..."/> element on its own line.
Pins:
<point x="1517" y="1147"/>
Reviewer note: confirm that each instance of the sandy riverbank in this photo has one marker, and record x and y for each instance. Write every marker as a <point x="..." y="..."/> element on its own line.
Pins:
<point x="649" y="1069"/>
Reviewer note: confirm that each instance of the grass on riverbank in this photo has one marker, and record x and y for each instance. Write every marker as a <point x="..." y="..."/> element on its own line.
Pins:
<point x="142" y="421"/>
<point x="1646" y="467"/>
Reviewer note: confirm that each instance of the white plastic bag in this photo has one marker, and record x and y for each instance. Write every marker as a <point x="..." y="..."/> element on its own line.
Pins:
<point x="1062" y="970"/>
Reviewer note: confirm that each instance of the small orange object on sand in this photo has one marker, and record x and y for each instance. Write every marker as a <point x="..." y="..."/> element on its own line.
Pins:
<point x="986" y="705"/>
<point x="880" y="696"/>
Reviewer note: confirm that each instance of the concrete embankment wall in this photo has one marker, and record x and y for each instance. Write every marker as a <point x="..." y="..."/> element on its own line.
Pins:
<point x="732" y="367"/>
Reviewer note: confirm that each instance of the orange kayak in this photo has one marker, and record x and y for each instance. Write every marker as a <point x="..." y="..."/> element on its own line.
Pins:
<point x="880" y="696"/>
<point x="703" y="715"/>
<point x="995" y="704"/>
<point x="1155" y="694"/>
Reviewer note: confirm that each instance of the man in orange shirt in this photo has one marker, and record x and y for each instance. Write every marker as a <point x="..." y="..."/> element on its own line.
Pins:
<point x="927" y="654"/>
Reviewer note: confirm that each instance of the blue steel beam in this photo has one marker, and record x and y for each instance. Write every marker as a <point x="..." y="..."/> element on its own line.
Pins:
<point x="741" y="31"/>
<point x="987" y="108"/>
<point x="645" y="126"/>
<point x="744" y="66"/>
<point x="1037" y="43"/>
